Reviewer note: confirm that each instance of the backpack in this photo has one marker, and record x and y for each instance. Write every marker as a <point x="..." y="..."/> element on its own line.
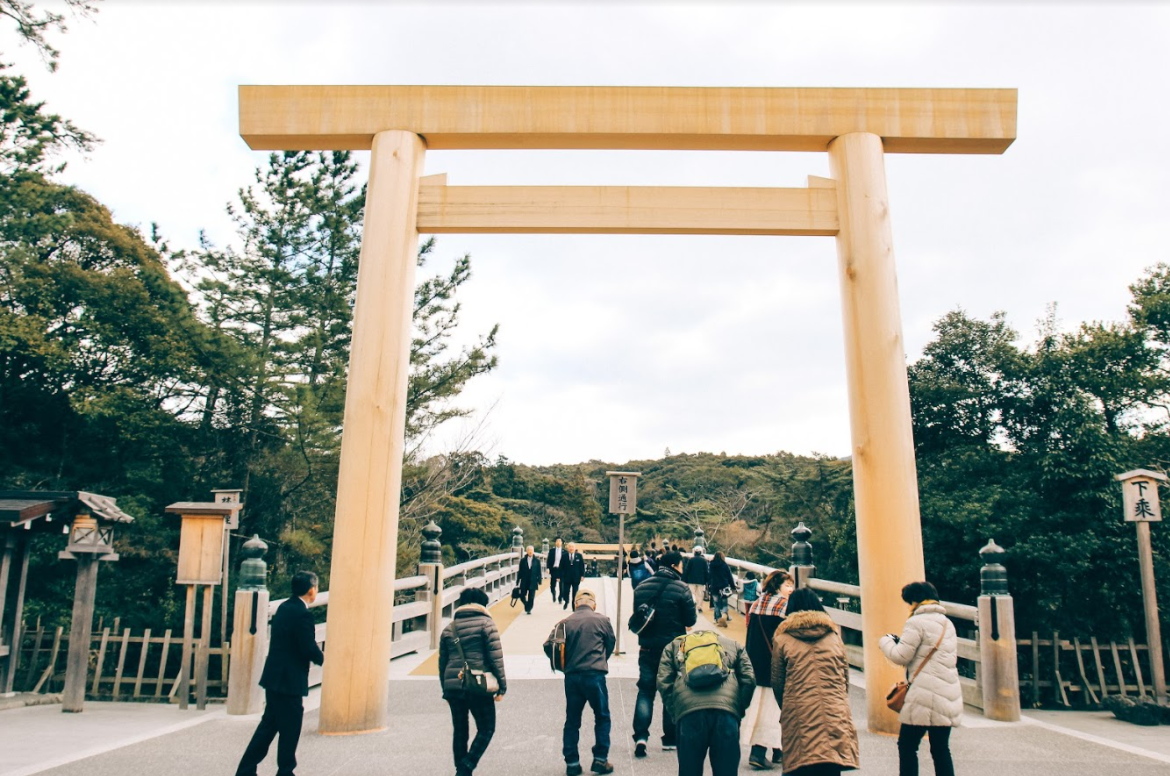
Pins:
<point x="557" y="648"/>
<point x="704" y="663"/>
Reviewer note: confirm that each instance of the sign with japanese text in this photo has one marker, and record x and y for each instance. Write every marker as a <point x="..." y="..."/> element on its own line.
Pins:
<point x="1141" y="500"/>
<point x="623" y="492"/>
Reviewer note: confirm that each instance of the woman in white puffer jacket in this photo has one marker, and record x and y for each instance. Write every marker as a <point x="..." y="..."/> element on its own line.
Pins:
<point x="934" y="703"/>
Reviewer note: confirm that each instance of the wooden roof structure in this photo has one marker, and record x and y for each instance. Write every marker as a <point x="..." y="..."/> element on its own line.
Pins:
<point x="38" y="508"/>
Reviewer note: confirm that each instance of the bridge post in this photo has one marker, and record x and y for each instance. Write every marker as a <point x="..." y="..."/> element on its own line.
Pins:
<point x="249" y="631"/>
<point x="700" y="539"/>
<point x="803" y="568"/>
<point x="885" y="482"/>
<point x="430" y="565"/>
<point x="518" y="541"/>
<point x="998" y="670"/>
<point x="355" y="695"/>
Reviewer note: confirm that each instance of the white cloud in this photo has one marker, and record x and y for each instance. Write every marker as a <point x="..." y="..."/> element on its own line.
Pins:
<point x="736" y="342"/>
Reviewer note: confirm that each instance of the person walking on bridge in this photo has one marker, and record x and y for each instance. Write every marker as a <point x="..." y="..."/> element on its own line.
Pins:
<point x="478" y="648"/>
<point x="556" y="564"/>
<point x="588" y="643"/>
<point x="285" y="679"/>
<point x="673" y="613"/>
<point x="761" y="725"/>
<point x="810" y="679"/>
<point x="572" y="574"/>
<point x="529" y="578"/>
<point x="706" y="681"/>
<point x="928" y="647"/>
<point x="696" y="575"/>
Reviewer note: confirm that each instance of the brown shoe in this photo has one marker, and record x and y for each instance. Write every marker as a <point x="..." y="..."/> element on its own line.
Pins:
<point x="601" y="766"/>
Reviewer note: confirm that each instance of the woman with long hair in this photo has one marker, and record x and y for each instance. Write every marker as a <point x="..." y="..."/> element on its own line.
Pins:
<point x="810" y="678"/>
<point x="761" y="724"/>
<point x="928" y="647"/>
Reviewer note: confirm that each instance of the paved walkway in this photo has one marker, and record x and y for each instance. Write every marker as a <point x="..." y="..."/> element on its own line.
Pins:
<point x="119" y="739"/>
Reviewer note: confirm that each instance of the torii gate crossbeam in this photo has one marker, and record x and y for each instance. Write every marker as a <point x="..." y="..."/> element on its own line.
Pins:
<point x="398" y="123"/>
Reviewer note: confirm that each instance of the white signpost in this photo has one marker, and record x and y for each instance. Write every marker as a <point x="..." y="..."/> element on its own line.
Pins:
<point x="623" y="500"/>
<point x="1139" y="489"/>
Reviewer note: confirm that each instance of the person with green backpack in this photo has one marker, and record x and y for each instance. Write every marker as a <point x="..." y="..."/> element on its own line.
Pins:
<point x="706" y="681"/>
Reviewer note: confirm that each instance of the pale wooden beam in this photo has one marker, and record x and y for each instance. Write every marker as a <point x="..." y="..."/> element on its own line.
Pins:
<point x="958" y="121"/>
<point x="624" y="210"/>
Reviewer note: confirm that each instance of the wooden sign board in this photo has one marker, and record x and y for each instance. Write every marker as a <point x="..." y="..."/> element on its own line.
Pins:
<point x="201" y="550"/>
<point x="1141" y="500"/>
<point x="623" y="492"/>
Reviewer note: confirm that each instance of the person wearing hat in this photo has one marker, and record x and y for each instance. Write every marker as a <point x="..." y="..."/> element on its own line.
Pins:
<point x="589" y="643"/>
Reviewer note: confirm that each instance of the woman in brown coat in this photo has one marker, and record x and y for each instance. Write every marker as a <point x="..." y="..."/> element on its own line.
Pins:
<point x="810" y="677"/>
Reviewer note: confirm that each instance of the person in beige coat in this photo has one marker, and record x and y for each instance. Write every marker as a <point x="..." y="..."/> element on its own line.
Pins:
<point x="810" y="677"/>
<point x="934" y="703"/>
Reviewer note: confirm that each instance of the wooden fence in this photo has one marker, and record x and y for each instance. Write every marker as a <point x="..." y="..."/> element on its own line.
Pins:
<point x="1081" y="673"/>
<point x="122" y="666"/>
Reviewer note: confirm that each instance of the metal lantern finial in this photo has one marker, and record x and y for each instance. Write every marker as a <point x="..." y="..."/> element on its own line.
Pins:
<point x="432" y="548"/>
<point x="993" y="576"/>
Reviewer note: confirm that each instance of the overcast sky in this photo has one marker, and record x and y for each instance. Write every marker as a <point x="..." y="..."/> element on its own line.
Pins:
<point x="619" y="347"/>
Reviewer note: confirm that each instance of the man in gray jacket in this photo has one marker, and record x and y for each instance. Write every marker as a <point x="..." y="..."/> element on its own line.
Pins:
<point x="589" y="641"/>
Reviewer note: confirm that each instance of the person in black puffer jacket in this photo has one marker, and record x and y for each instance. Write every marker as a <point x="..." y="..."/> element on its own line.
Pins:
<point x="696" y="575"/>
<point x="674" y="612"/>
<point x="481" y="645"/>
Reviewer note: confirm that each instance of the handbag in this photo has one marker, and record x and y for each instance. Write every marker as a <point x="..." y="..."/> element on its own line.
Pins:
<point x="556" y="654"/>
<point x="516" y="595"/>
<point x="896" y="697"/>
<point x="475" y="683"/>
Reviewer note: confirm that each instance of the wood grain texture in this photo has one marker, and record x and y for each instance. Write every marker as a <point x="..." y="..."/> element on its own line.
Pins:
<point x="354" y="696"/>
<point x="885" y="481"/>
<point x="625" y="210"/>
<point x="957" y="121"/>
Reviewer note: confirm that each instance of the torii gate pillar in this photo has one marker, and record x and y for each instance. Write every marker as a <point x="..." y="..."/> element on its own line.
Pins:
<point x="354" y="697"/>
<point x="885" y="480"/>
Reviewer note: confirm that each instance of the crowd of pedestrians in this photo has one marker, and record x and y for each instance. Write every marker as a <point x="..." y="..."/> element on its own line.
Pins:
<point x="784" y="693"/>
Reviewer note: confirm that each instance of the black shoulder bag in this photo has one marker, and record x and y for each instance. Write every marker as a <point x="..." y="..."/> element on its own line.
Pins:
<point x="475" y="683"/>
<point x="644" y="614"/>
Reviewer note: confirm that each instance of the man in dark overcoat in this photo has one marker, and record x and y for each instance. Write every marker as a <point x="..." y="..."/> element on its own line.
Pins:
<point x="528" y="579"/>
<point x="557" y="563"/>
<point x="572" y="575"/>
<point x="292" y="646"/>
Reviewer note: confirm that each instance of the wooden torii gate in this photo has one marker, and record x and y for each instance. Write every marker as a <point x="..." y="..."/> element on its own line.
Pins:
<point x="856" y="127"/>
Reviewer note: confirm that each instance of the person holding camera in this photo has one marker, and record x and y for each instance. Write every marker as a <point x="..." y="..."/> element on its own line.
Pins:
<point x="471" y="643"/>
<point x="928" y="647"/>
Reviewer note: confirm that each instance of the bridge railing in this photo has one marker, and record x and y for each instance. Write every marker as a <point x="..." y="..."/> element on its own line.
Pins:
<point x="988" y="673"/>
<point x="423" y="605"/>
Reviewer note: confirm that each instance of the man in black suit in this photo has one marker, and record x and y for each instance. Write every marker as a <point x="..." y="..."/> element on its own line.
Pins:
<point x="556" y="565"/>
<point x="571" y="576"/>
<point x="528" y="579"/>
<point x="292" y="646"/>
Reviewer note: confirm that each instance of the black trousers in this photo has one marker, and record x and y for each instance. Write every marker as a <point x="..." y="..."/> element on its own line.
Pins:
<point x="819" y="769"/>
<point x="910" y="736"/>
<point x="483" y="710"/>
<point x="554" y="578"/>
<point x="282" y="717"/>
<point x="569" y="588"/>
<point x="528" y="596"/>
